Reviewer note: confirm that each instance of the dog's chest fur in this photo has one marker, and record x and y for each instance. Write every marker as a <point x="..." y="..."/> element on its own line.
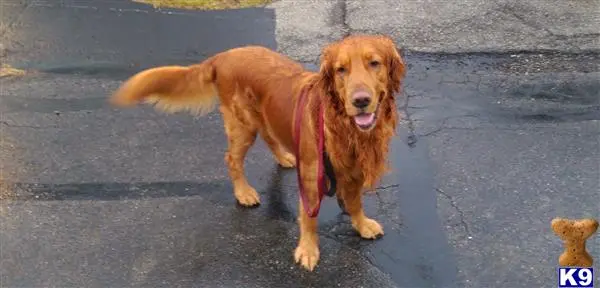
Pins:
<point x="355" y="155"/>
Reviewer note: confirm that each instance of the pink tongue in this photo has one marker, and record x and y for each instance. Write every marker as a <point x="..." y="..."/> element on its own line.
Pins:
<point x="364" y="119"/>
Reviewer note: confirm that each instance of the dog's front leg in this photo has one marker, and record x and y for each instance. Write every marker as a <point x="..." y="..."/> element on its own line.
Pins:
<point x="352" y="199"/>
<point x="307" y="252"/>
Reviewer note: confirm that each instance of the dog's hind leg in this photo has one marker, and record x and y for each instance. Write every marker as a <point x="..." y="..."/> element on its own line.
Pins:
<point x="240" y="138"/>
<point x="283" y="157"/>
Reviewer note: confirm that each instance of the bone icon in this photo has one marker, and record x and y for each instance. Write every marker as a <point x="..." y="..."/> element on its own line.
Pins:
<point x="574" y="233"/>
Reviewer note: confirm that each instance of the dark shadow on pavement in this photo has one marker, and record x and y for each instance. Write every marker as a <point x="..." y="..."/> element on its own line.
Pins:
<point x="277" y="207"/>
<point x="116" y="38"/>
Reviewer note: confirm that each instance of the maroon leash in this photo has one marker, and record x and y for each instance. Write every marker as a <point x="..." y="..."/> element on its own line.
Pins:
<point x="321" y="143"/>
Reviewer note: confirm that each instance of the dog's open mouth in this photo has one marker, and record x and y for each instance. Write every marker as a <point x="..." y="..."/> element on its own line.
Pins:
<point x="366" y="121"/>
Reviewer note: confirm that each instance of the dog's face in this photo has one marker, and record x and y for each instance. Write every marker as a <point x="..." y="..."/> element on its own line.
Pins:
<point x="361" y="71"/>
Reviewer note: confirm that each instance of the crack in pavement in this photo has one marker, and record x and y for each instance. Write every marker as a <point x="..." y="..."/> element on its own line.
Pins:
<point x="460" y="212"/>
<point x="443" y="126"/>
<point x="386" y="205"/>
<point x="344" y="21"/>
<point x="26" y="126"/>
<point x="412" y="137"/>
<point x="431" y="133"/>
<point x="389" y="256"/>
<point x="386" y="187"/>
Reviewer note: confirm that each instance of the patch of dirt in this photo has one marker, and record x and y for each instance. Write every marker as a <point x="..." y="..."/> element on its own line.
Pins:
<point x="206" y="4"/>
<point x="5" y="193"/>
<point x="7" y="71"/>
<point x="6" y="196"/>
<point x="8" y="156"/>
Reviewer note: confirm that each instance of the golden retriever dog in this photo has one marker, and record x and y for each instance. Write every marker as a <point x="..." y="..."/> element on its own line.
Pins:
<point x="257" y="91"/>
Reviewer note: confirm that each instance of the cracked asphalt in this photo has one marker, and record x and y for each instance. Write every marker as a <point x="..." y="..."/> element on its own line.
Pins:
<point x="500" y="134"/>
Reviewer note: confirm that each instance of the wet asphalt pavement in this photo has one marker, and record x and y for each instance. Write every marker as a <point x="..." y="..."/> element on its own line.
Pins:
<point x="493" y="146"/>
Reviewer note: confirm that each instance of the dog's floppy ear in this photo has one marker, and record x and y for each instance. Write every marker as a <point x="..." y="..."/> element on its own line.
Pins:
<point x="326" y="72"/>
<point x="396" y="67"/>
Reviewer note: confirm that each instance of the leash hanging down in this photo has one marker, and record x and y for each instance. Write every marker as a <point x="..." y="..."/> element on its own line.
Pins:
<point x="324" y="168"/>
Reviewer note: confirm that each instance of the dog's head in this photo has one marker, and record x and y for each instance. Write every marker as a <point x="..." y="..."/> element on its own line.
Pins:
<point x="360" y="72"/>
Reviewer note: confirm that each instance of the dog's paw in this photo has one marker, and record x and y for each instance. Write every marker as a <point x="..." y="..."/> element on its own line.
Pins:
<point x="287" y="160"/>
<point x="247" y="196"/>
<point x="307" y="255"/>
<point x="368" y="228"/>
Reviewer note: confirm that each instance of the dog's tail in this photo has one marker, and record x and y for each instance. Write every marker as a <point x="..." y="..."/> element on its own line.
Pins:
<point x="172" y="89"/>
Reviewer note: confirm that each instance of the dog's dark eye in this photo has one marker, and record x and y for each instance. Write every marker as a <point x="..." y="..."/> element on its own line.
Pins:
<point x="341" y="70"/>
<point x="374" y="64"/>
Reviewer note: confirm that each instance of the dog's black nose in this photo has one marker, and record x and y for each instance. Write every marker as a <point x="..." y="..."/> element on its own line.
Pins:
<point x="361" y="102"/>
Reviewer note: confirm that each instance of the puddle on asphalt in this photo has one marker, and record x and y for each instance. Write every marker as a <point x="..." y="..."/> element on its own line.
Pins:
<point x="69" y="40"/>
<point x="414" y="255"/>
